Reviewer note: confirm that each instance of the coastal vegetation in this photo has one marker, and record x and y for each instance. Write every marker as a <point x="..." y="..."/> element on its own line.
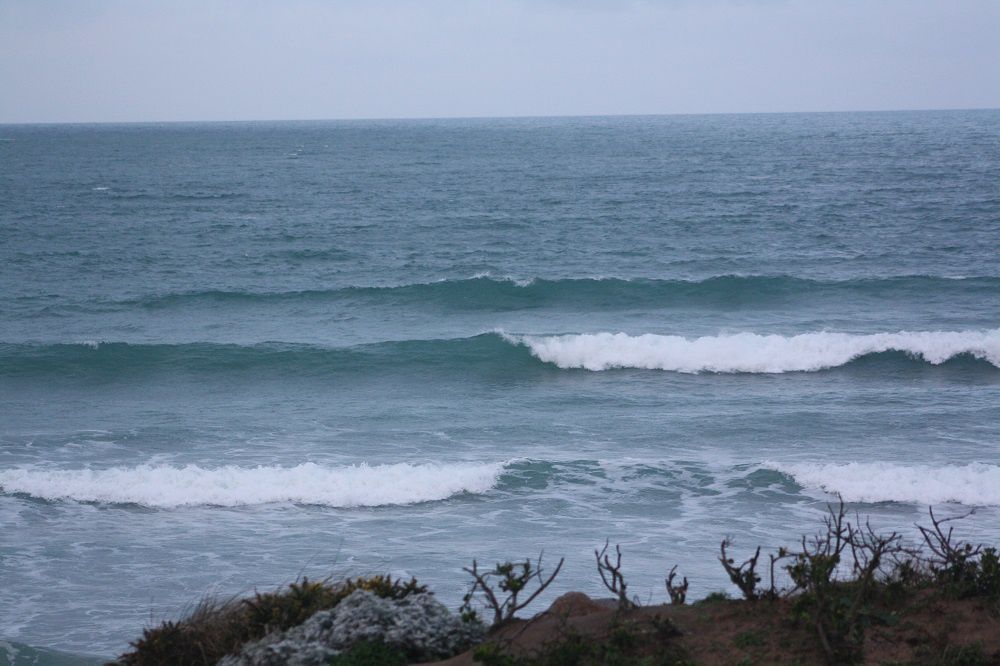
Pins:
<point x="848" y="594"/>
<point x="216" y="629"/>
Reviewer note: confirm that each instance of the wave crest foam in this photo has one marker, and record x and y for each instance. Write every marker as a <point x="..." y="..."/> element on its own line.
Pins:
<point x="976" y="484"/>
<point x="165" y="486"/>
<point x="750" y="352"/>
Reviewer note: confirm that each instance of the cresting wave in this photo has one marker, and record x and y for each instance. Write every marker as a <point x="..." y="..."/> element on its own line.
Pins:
<point x="753" y="353"/>
<point x="169" y="487"/>
<point x="164" y="486"/>
<point x="483" y="292"/>
<point x="496" y="352"/>
<point x="976" y="484"/>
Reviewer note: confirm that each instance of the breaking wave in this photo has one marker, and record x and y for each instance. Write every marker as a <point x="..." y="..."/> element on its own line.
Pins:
<point x="165" y="486"/>
<point x="502" y="352"/>
<point x="976" y="484"/>
<point x="753" y="353"/>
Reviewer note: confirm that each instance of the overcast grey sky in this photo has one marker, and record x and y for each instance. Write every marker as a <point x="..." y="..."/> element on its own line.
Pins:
<point x="119" y="60"/>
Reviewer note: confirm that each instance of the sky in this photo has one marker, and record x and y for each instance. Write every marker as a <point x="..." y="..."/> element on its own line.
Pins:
<point x="164" y="60"/>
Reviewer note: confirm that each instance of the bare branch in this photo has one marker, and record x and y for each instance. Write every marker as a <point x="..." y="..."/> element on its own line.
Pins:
<point x="744" y="576"/>
<point x="678" y="593"/>
<point x="616" y="585"/>
<point x="512" y="579"/>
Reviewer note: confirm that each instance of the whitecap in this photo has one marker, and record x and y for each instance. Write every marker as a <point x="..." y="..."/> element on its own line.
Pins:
<point x="975" y="484"/>
<point x="166" y="486"/>
<point x="751" y="352"/>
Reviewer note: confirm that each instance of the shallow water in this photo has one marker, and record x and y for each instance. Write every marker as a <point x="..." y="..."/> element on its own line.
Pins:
<point x="234" y="353"/>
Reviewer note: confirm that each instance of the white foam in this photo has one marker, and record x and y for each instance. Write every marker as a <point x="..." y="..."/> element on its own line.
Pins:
<point x="168" y="486"/>
<point x="976" y="484"/>
<point x="750" y="352"/>
<point x="487" y="275"/>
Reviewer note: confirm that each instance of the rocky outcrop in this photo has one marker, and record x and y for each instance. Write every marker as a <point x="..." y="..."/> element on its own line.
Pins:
<point x="419" y="625"/>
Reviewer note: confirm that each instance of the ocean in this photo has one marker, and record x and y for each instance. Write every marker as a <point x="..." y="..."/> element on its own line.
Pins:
<point x="233" y="354"/>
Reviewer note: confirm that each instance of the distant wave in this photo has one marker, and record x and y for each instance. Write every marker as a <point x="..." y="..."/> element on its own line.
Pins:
<point x="490" y="293"/>
<point x="753" y="353"/>
<point x="109" y="360"/>
<point x="505" y="353"/>
<point x="164" y="486"/>
<point x="976" y="484"/>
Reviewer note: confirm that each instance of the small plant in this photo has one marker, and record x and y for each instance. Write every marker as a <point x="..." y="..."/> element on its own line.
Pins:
<point x="370" y="653"/>
<point x="988" y="576"/>
<point x="612" y="577"/>
<point x="492" y="654"/>
<point x="955" y="655"/>
<point x="748" y="639"/>
<point x="951" y="561"/>
<point x="678" y="592"/>
<point x="291" y="607"/>
<point x="966" y="569"/>
<point x="511" y="579"/>
<point x="385" y="587"/>
<point x="744" y="576"/>
<point x="907" y="574"/>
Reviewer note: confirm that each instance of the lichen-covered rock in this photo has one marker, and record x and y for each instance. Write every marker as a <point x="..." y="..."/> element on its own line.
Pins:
<point x="418" y="624"/>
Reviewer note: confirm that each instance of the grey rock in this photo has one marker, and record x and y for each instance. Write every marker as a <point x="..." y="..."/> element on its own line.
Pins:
<point x="418" y="624"/>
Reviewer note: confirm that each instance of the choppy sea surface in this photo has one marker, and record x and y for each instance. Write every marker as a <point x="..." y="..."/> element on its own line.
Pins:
<point x="233" y="354"/>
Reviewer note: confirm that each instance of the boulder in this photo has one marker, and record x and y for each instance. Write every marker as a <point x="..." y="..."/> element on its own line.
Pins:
<point x="418" y="624"/>
<point x="575" y="604"/>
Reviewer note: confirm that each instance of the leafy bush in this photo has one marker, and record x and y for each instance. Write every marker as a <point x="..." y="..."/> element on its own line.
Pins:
<point x="715" y="597"/>
<point x="280" y="610"/>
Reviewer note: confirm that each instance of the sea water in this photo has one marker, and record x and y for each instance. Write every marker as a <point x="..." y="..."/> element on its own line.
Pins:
<point x="235" y="354"/>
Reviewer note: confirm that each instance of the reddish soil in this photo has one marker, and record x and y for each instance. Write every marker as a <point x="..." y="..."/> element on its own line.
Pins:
<point x="926" y="629"/>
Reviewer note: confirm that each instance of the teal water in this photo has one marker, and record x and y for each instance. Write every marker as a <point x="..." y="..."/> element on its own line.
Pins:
<point x="231" y="354"/>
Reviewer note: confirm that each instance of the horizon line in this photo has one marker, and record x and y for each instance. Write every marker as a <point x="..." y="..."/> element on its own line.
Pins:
<point x="488" y="117"/>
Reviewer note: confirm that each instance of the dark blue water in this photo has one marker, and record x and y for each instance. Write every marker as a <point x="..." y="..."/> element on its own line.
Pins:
<point x="234" y="353"/>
